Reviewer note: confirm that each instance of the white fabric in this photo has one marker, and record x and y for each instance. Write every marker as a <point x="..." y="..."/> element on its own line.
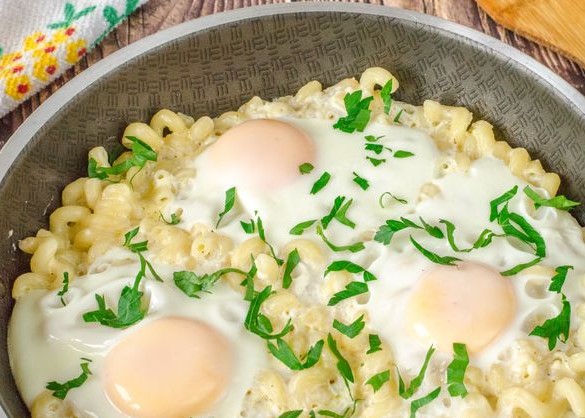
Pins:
<point x="40" y="39"/>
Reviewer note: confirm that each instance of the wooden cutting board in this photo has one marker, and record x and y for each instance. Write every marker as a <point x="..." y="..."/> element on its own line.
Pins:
<point x="558" y="24"/>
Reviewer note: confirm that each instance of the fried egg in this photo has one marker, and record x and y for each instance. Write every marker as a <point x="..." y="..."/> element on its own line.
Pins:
<point x="187" y="358"/>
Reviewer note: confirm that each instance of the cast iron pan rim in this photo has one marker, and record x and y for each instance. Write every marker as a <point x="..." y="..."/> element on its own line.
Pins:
<point x="65" y="94"/>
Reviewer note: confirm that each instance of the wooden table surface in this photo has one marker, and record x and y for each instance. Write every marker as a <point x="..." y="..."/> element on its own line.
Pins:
<point x="161" y="14"/>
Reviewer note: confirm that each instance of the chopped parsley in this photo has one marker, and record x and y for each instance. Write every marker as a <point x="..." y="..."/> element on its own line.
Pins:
<point x="557" y="202"/>
<point x="258" y="323"/>
<point x="351" y="330"/>
<point x="338" y="212"/>
<point x="65" y="287"/>
<point x="286" y="355"/>
<point x="456" y="371"/>
<point x="378" y="380"/>
<point x="141" y="153"/>
<point x="425" y="400"/>
<point x="262" y="235"/>
<point x="381" y="199"/>
<point x="375" y="343"/>
<point x="397" y="117"/>
<point x="435" y="258"/>
<point x="321" y="183"/>
<point x="192" y="284"/>
<point x="372" y="138"/>
<point x="342" y="364"/>
<point x="503" y="199"/>
<point x="376" y="161"/>
<point x="375" y="148"/>
<point x="175" y="218"/>
<point x="558" y="280"/>
<point x="292" y="261"/>
<point x="386" y="95"/>
<point x="248" y="227"/>
<point x="291" y="414"/>
<point x="354" y="248"/>
<point x="299" y="228"/>
<point x="230" y="200"/>
<point x="358" y="113"/>
<point x="360" y="181"/>
<point x="306" y="168"/>
<point x="403" y="154"/>
<point x="350" y="267"/>
<point x="557" y="328"/>
<point x="60" y="390"/>
<point x="523" y="266"/>
<point x="351" y="289"/>
<point x="407" y="392"/>
<point x="139" y="248"/>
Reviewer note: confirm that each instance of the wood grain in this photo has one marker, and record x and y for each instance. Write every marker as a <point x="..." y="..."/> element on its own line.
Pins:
<point x="157" y="15"/>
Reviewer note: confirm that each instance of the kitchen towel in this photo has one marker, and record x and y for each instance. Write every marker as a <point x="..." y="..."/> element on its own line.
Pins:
<point x="40" y="39"/>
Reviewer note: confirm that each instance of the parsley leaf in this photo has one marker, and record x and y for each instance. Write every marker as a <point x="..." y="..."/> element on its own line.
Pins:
<point x="65" y="287"/>
<point x="292" y="261"/>
<point x="386" y="232"/>
<point x="405" y="392"/>
<point x="504" y="198"/>
<point x="376" y="161"/>
<point x="258" y="323"/>
<point x="354" y="248"/>
<point x="419" y="403"/>
<point x="456" y="371"/>
<point x="130" y="309"/>
<point x="435" y="258"/>
<point x="350" y="267"/>
<point x="139" y="248"/>
<point x="558" y="280"/>
<point x="484" y="239"/>
<point x="556" y="328"/>
<point x="141" y="153"/>
<point x="358" y="113"/>
<point x="376" y="148"/>
<point x="397" y="117"/>
<point x="191" y="284"/>
<point x="342" y="364"/>
<point x="338" y="211"/>
<point x="262" y="235"/>
<point x="557" y="202"/>
<point x="291" y="414"/>
<point x="306" y="168"/>
<point x="518" y="268"/>
<point x="286" y="355"/>
<point x="360" y="181"/>
<point x="372" y="138"/>
<point x="321" y="182"/>
<point x="375" y="344"/>
<point x="248" y="227"/>
<point x="381" y="199"/>
<point x="175" y="219"/>
<point x="403" y="154"/>
<point x="351" y="289"/>
<point x="60" y="390"/>
<point x="515" y="225"/>
<point x="378" y="380"/>
<point x="386" y="95"/>
<point x="299" y="228"/>
<point x="351" y="330"/>
<point x="230" y="200"/>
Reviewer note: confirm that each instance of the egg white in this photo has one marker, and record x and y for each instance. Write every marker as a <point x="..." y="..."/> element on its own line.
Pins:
<point x="51" y="338"/>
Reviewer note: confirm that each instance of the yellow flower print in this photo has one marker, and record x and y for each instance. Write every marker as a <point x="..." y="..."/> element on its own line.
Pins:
<point x="10" y="70"/>
<point x="47" y="48"/>
<point x="75" y="50"/>
<point x="17" y="86"/>
<point x="45" y="67"/>
<point x="34" y="41"/>
<point x="62" y="35"/>
<point x="10" y="59"/>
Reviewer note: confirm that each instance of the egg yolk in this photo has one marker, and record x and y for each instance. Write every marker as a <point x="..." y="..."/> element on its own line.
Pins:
<point x="261" y="154"/>
<point x="173" y="367"/>
<point x="468" y="303"/>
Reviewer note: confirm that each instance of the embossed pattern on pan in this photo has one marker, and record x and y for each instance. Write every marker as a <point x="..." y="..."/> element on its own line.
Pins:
<point x="217" y="69"/>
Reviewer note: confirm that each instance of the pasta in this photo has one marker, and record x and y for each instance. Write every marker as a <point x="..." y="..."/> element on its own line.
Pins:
<point x="97" y="214"/>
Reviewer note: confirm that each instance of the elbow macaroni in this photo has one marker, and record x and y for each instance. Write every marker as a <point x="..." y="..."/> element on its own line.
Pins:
<point x="96" y="214"/>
